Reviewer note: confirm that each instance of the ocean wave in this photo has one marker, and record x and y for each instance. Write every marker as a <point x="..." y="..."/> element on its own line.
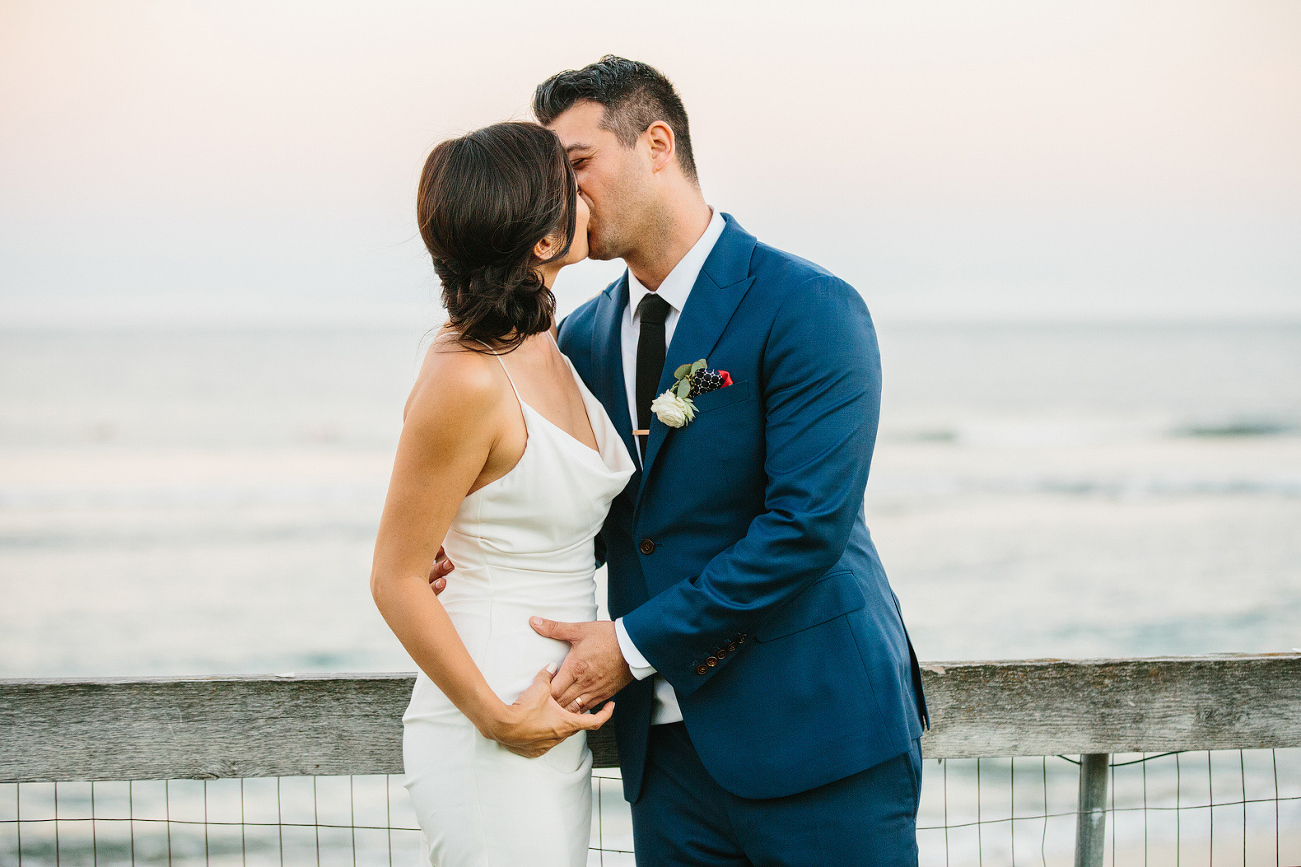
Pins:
<point x="1069" y="432"/>
<point x="251" y="495"/>
<point x="1117" y="487"/>
<point x="190" y="535"/>
<point x="1265" y="427"/>
<point x="1156" y="486"/>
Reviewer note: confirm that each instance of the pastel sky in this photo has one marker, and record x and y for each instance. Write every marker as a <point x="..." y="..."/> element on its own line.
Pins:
<point x="216" y="162"/>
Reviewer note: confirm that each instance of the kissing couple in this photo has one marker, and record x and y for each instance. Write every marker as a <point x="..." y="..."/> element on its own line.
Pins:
<point x="704" y="428"/>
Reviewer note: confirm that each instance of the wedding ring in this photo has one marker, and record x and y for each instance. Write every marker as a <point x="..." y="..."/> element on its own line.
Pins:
<point x="579" y="701"/>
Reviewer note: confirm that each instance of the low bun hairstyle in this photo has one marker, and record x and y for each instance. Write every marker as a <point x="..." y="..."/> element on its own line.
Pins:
<point x="485" y="200"/>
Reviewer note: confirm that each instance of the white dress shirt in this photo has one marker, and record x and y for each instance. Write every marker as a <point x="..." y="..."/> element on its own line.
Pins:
<point x="675" y="289"/>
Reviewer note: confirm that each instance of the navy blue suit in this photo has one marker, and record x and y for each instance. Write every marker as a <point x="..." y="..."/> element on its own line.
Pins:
<point x="739" y="557"/>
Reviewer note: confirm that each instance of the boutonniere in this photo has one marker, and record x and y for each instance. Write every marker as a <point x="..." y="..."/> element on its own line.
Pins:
<point x="674" y="407"/>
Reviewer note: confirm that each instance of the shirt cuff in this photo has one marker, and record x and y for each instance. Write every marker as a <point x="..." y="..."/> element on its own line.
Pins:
<point x="638" y="664"/>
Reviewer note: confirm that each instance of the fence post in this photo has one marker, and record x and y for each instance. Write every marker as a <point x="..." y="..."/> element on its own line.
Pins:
<point x="1091" y="820"/>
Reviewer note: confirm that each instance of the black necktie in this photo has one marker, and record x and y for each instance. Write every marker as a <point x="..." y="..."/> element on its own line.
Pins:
<point x="652" y="310"/>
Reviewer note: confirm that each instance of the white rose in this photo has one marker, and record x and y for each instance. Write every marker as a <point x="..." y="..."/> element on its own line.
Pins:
<point x="674" y="411"/>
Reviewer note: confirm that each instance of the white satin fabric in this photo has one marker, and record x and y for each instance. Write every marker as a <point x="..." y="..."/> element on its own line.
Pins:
<point x="522" y="546"/>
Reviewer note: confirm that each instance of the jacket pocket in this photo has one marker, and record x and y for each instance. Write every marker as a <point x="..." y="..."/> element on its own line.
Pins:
<point x="720" y="397"/>
<point x="826" y="599"/>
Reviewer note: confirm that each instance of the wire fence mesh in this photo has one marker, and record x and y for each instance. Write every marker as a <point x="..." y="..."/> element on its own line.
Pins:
<point x="1229" y="807"/>
<point x="1237" y="807"/>
<point x="271" y="820"/>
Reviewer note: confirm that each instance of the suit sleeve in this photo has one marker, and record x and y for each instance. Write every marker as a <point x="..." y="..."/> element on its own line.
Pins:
<point x="821" y="389"/>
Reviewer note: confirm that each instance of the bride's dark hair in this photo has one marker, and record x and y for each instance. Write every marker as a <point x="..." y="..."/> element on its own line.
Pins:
<point x="485" y="200"/>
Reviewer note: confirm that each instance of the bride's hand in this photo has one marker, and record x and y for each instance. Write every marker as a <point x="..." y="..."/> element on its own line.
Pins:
<point x="535" y="722"/>
<point x="439" y="571"/>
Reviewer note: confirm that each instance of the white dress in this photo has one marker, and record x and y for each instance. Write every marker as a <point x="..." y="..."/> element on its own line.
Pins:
<point x="522" y="545"/>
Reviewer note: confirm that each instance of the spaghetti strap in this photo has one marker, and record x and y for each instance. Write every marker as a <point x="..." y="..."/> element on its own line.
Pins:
<point x="503" y="370"/>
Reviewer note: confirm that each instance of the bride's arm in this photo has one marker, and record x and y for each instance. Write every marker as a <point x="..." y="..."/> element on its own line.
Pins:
<point x="452" y="423"/>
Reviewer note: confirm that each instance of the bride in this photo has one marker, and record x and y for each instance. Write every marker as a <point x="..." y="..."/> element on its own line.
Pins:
<point x="509" y="462"/>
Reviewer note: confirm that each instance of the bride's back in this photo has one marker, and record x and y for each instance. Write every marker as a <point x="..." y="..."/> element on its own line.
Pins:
<point x="523" y="542"/>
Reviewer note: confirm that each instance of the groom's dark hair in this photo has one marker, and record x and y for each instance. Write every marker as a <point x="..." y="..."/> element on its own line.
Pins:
<point x="634" y="94"/>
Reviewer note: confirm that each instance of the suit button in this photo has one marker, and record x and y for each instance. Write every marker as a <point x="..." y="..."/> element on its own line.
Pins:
<point x="711" y="661"/>
<point x="700" y="669"/>
<point x="731" y="648"/>
<point x="721" y="652"/>
<point x="740" y="639"/>
<point x="647" y="546"/>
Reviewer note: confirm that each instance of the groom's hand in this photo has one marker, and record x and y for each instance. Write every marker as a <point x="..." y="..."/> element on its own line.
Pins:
<point x="595" y="668"/>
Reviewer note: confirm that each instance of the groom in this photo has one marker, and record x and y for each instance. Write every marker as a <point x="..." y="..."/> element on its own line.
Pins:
<point x="770" y="703"/>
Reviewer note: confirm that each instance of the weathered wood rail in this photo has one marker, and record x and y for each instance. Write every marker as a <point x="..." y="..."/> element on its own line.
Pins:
<point x="215" y="727"/>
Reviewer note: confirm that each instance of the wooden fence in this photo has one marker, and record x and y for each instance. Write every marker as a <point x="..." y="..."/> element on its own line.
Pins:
<point x="316" y="725"/>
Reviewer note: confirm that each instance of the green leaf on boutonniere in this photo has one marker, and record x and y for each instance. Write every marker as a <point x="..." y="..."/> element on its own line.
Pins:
<point x="684" y="370"/>
<point x="699" y="365"/>
<point x="684" y="388"/>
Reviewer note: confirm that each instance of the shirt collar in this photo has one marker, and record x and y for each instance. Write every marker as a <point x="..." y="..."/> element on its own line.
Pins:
<point x="677" y="286"/>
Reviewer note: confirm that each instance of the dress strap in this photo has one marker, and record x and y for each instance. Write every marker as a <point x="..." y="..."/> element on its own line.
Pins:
<point x="503" y="369"/>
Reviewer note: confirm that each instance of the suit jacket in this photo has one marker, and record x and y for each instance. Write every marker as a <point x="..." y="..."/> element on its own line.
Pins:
<point x="739" y="557"/>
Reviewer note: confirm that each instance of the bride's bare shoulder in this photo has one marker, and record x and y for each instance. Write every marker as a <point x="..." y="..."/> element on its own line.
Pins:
<point x="454" y="375"/>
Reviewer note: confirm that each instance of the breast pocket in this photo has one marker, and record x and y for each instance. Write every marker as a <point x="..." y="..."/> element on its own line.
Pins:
<point x="726" y="434"/>
<point x="721" y="397"/>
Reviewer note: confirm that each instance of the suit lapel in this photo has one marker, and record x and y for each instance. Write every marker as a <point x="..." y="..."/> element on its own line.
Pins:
<point x="607" y="356"/>
<point x="717" y="292"/>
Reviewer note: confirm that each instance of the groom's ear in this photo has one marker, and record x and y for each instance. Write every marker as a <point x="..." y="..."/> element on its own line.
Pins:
<point x="659" y="139"/>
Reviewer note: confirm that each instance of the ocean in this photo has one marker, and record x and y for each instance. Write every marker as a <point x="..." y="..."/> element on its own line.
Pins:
<point x="205" y="502"/>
